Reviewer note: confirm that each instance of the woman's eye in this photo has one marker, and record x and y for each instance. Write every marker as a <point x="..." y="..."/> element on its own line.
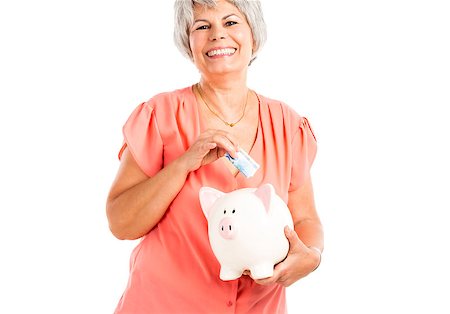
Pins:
<point x="202" y="27"/>
<point x="230" y="23"/>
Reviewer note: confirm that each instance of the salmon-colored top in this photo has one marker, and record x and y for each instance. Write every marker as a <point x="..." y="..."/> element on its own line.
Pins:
<point x="173" y="269"/>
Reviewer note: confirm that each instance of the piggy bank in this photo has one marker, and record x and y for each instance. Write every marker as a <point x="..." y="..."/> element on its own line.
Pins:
<point x="246" y="229"/>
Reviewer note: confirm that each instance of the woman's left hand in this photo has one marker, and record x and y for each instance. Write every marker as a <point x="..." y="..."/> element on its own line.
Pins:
<point x="299" y="262"/>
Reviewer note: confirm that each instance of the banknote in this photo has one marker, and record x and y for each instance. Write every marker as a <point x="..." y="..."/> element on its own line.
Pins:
<point x="244" y="163"/>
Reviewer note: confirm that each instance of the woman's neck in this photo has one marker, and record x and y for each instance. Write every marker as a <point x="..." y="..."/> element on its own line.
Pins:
<point x="226" y="97"/>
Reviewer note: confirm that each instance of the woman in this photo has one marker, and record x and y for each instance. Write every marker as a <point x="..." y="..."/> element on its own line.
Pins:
<point x="175" y="143"/>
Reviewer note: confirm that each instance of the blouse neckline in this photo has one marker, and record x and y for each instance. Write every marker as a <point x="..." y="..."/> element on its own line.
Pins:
<point x="238" y="177"/>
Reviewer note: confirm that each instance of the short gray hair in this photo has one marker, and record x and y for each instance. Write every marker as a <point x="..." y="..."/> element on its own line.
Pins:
<point x="184" y="17"/>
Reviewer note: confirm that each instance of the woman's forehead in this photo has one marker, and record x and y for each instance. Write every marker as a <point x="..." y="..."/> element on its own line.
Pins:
<point x="223" y="7"/>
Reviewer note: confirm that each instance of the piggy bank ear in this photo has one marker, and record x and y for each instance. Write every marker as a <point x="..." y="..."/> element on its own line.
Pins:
<point x="208" y="196"/>
<point x="265" y="193"/>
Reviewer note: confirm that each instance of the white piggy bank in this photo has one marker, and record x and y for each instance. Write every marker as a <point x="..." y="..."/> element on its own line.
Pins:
<point x="246" y="229"/>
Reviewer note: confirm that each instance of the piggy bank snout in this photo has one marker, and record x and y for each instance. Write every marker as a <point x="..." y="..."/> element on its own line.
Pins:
<point x="227" y="228"/>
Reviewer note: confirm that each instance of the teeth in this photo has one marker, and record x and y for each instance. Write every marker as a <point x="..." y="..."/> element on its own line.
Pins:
<point x="226" y="51"/>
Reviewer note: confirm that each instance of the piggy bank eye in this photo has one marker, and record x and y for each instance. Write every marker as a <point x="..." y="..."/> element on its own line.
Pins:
<point x="234" y="210"/>
<point x="225" y="211"/>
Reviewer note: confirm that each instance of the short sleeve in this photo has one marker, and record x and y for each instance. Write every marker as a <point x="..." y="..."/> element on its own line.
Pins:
<point x="143" y="139"/>
<point x="304" y="148"/>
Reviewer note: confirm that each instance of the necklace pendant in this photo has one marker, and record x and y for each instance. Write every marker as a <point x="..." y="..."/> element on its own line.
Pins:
<point x="232" y="124"/>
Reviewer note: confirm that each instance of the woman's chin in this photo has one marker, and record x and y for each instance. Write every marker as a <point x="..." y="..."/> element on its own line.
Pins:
<point x="223" y="70"/>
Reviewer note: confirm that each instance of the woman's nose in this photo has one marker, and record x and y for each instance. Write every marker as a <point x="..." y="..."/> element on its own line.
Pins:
<point x="217" y="33"/>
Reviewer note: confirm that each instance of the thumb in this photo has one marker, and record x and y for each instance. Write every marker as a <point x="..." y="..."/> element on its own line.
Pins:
<point x="294" y="241"/>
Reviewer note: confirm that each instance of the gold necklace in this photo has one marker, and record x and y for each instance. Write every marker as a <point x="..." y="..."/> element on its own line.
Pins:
<point x="230" y="124"/>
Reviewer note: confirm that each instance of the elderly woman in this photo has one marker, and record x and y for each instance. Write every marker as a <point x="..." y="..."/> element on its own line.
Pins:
<point x="175" y="144"/>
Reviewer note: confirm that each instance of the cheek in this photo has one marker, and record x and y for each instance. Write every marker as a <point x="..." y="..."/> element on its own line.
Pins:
<point x="245" y="38"/>
<point x="194" y="44"/>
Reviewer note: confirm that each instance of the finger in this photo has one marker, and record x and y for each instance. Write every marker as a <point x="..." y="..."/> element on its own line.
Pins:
<point x="233" y="140"/>
<point x="225" y="143"/>
<point x="221" y="152"/>
<point x="270" y="280"/>
<point x="294" y="240"/>
<point x="205" y="148"/>
<point x="228" y="137"/>
<point x="266" y="281"/>
<point x="209" y="146"/>
<point x="280" y="274"/>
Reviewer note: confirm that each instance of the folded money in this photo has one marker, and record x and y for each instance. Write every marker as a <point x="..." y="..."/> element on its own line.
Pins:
<point x="244" y="163"/>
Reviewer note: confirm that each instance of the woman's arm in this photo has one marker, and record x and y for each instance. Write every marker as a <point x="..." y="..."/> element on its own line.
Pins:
<point x="305" y="244"/>
<point x="136" y="203"/>
<point x="304" y="214"/>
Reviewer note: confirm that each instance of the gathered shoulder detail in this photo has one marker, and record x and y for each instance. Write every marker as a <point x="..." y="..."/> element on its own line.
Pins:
<point x="143" y="139"/>
<point x="152" y="132"/>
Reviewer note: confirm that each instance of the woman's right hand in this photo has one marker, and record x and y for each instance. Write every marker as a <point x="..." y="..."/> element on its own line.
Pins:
<point x="136" y="204"/>
<point x="209" y="146"/>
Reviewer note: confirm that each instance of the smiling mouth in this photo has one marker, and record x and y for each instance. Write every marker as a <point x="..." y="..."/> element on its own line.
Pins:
<point x="221" y="52"/>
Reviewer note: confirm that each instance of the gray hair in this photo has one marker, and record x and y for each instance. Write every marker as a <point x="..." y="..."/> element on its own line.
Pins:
<point x="184" y="17"/>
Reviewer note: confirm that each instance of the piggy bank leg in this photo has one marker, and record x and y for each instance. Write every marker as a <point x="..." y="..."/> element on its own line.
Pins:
<point x="261" y="271"/>
<point x="229" y="274"/>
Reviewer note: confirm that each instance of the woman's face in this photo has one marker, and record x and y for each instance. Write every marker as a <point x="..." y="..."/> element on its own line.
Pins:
<point x="221" y="40"/>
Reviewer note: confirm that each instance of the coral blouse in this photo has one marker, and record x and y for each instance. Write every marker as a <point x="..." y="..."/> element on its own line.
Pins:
<point x="173" y="269"/>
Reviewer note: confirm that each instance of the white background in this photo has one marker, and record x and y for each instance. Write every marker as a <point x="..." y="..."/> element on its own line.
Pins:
<point x="373" y="77"/>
